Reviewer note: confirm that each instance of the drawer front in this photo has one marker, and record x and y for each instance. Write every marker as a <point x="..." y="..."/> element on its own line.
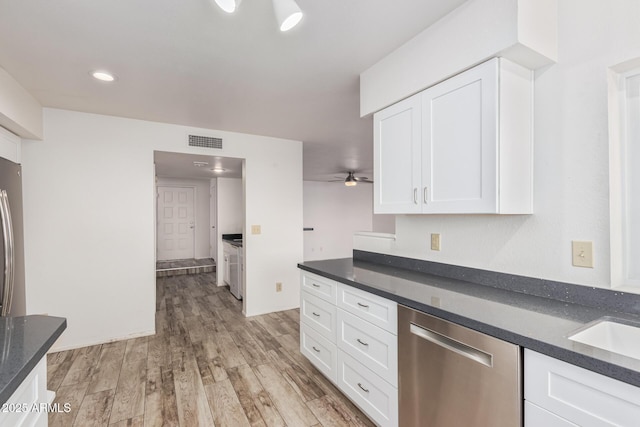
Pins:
<point x="580" y="396"/>
<point x="535" y="416"/>
<point x="320" y="351"/>
<point x="374" y="347"/>
<point x="376" y="397"/>
<point x="372" y="308"/>
<point x="319" y="286"/>
<point x="319" y="314"/>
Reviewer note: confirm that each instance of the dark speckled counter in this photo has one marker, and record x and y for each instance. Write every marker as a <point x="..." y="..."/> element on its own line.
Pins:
<point x="233" y="239"/>
<point x="531" y="321"/>
<point x="24" y="341"/>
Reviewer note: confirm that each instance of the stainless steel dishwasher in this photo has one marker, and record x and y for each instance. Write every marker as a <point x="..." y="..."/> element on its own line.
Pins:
<point x="452" y="376"/>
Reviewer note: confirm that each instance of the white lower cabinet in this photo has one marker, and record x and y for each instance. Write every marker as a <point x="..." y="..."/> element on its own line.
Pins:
<point x="372" y="308"/>
<point x="374" y="347"/>
<point x="319" y="314"/>
<point x="376" y="397"/>
<point x="320" y="351"/>
<point x="575" y="396"/>
<point x="351" y="337"/>
<point x="536" y="416"/>
<point x="25" y="407"/>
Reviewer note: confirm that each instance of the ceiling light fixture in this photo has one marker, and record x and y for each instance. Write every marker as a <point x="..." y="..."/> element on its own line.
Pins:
<point x="200" y="164"/>
<point x="217" y="170"/>
<point x="288" y="13"/>
<point x="228" y="6"/>
<point x="351" y="180"/>
<point x="103" y="76"/>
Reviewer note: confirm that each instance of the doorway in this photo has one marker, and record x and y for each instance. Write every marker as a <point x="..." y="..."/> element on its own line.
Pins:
<point x="213" y="206"/>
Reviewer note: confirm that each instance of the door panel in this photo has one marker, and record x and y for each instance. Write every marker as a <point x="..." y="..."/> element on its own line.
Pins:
<point x="397" y="158"/>
<point x="176" y="223"/>
<point x="459" y="169"/>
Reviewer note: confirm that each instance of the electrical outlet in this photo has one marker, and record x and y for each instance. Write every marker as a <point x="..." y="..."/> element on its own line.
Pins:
<point x="582" y="254"/>
<point x="255" y="229"/>
<point x="435" y="241"/>
<point x="278" y="286"/>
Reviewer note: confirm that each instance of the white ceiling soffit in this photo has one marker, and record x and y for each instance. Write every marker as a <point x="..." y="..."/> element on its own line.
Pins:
<point x="177" y="165"/>
<point x="190" y="63"/>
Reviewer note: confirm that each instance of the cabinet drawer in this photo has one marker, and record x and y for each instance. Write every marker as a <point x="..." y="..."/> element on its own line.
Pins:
<point x="535" y="416"/>
<point x="372" y="308"/>
<point x="319" y="286"/>
<point x="374" y="347"/>
<point x="318" y="314"/>
<point x="376" y="397"/>
<point x="320" y="351"/>
<point x="580" y="396"/>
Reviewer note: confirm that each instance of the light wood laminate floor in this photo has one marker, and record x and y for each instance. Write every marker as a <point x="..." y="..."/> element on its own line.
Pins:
<point x="207" y="365"/>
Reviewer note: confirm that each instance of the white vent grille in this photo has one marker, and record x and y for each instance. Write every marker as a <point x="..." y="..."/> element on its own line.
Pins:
<point x="204" y="141"/>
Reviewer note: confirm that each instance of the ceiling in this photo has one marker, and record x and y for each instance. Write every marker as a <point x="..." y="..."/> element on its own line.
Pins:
<point x="177" y="165"/>
<point x="187" y="62"/>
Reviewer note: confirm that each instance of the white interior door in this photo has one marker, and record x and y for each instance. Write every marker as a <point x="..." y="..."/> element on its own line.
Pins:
<point x="176" y="223"/>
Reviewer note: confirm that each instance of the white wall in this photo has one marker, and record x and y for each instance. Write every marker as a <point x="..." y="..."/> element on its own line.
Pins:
<point x="571" y="163"/>
<point x="19" y="111"/>
<point x="89" y="221"/>
<point x="335" y="212"/>
<point x="9" y="146"/>
<point x="230" y="206"/>
<point x="384" y="223"/>
<point x="231" y="216"/>
<point x="201" y="207"/>
<point x="523" y="31"/>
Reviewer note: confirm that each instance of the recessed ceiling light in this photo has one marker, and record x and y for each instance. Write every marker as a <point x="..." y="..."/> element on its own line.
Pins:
<point x="200" y="164"/>
<point x="218" y="170"/>
<point x="103" y="76"/>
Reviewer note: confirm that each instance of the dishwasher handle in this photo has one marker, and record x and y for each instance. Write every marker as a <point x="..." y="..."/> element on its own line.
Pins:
<point x="444" y="341"/>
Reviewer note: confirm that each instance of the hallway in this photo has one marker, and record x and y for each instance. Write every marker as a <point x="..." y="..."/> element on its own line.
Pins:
<point x="206" y="365"/>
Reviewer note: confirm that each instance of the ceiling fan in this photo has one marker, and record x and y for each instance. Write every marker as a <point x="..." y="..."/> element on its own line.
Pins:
<point x="352" y="180"/>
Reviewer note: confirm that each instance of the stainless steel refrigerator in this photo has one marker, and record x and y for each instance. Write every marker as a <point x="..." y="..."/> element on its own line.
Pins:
<point x="12" y="292"/>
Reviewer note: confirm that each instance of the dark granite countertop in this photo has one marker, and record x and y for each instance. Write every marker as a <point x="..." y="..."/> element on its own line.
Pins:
<point x="540" y="324"/>
<point x="233" y="239"/>
<point x="24" y="340"/>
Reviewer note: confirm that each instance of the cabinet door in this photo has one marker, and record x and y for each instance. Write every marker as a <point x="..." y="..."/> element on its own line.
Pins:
<point x="583" y="397"/>
<point x="459" y="150"/>
<point x="396" y="153"/>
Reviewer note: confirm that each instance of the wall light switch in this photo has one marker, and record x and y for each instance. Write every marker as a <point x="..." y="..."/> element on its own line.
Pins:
<point x="255" y="229"/>
<point x="435" y="241"/>
<point x="582" y="254"/>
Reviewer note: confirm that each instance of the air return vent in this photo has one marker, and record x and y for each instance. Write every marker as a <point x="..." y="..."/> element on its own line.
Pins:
<point x="204" y="141"/>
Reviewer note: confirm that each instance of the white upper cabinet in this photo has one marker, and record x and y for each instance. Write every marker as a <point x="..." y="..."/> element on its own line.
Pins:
<point x="396" y="154"/>
<point x="459" y="131"/>
<point x="470" y="151"/>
